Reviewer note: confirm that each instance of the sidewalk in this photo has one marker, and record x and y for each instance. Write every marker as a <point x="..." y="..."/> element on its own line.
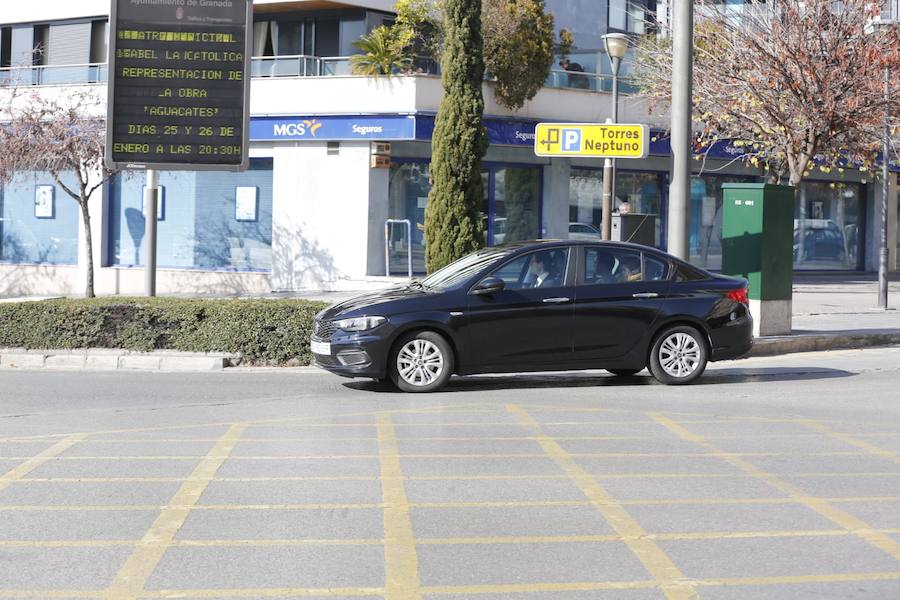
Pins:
<point x="837" y="311"/>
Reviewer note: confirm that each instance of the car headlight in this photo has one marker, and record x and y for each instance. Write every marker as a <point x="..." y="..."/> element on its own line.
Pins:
<point x="360" y="323"/>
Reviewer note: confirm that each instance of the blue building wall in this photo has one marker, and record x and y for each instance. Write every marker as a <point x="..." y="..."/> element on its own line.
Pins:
<point x="27" y="238"/>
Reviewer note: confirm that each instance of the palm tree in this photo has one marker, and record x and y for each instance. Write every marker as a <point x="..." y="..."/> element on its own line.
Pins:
<point x="383" y="53"/>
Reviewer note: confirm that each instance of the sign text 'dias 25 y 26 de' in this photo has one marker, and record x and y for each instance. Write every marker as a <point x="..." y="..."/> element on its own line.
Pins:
<point x="179" y="84"/>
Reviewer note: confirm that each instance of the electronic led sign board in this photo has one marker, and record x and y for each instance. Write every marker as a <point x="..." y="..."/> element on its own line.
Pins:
<point x="179" y="84"/>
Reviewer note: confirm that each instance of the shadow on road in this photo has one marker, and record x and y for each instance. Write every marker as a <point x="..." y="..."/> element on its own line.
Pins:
<point x="481" y="383"/>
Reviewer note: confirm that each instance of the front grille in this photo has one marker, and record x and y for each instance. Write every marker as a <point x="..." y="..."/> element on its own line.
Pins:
<point x="323" y="330"/>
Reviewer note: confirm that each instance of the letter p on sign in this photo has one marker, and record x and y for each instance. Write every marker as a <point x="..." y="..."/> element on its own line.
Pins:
<point x="571" y="140"/>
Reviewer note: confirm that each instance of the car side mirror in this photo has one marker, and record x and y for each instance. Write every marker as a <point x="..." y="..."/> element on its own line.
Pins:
<point x="488" y="285"/>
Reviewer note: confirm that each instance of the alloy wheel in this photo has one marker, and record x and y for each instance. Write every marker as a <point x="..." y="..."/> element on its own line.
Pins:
<point x="679" y="355"/>
<point x="420" y="362"/>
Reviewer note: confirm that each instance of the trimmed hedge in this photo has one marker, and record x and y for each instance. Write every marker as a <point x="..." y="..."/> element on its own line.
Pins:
<point x="264" y="332"/>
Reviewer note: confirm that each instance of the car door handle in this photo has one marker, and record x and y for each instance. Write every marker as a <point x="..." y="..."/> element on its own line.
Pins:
<point x="645" y="295"/>
<point x="556" y="300"/>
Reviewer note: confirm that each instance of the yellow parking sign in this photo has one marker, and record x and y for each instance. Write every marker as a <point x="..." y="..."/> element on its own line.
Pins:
<point x="598" y="140"/>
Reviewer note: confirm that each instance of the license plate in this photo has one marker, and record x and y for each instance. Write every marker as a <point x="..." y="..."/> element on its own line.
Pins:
<point x="323" y="348"/>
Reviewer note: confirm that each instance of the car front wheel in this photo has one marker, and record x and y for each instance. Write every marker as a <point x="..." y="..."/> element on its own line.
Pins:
<point x="421" y="362"/>
<point x="679" y="355"/>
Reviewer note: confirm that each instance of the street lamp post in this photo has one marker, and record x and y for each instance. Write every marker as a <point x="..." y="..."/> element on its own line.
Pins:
<point x="884" y="21"/>
<point x="616" y="45"/>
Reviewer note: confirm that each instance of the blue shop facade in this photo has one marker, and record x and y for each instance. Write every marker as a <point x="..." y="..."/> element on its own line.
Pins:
<point x="261" y="221"/>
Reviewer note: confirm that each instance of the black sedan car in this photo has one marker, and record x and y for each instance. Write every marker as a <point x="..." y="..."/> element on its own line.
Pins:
<point x="540" y="306"/>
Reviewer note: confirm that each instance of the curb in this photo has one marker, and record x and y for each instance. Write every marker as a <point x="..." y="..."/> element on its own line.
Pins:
<point x="789" y="344"/>
<point x="115" y="360"/>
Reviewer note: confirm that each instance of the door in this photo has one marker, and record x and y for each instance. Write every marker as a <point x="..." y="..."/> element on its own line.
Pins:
<point x="618" y="297"/>
<point x="529" y="323"/>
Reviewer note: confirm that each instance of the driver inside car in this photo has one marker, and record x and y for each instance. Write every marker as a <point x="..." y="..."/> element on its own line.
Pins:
<point x="539" y="272"/>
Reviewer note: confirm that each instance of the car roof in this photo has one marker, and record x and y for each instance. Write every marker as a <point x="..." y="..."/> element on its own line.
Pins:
<point x="549" y="243"/>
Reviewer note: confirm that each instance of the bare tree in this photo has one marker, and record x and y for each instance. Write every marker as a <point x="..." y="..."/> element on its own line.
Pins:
<point x="60" y="134"/>
<point x="793" y="82"/>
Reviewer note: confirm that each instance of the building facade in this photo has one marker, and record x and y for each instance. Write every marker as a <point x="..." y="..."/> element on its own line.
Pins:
<point x="323" y="214"/>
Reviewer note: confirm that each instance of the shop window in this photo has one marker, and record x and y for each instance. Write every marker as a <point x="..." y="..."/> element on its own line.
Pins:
<point x="510" y="209"/>
<point x="38" y="221"/>
<point x="585" y="198"/>
<point x="706" y="219"/>
<point x="213" y="220"/>
<point x="515" y="215"/>
<point x="640" y="193"/>
<point x="828" y="221"/>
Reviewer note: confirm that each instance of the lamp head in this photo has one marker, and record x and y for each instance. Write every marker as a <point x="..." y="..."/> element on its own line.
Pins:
<point x="616" y="45"/>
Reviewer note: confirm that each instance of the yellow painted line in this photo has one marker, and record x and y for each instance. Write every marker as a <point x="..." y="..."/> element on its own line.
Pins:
<point x="802" y="579"/>
<point x="448" y="541"/>
<point x="821" y="506"/>
<point x="466" y="590"/>
<point x="263" y="592"/>
<point x="34" y="462"/>
<point x="523" y="588"/>
<point x="443" y="505"/>
<point x="853" y="441"/>
<point x="137" y="569"/>
<point x="401" y="563"/>
<point x="448" y="456"/>
<point x="45" y="594"/>
<point x="445" y="477"/>
<point x="654" y="559"/>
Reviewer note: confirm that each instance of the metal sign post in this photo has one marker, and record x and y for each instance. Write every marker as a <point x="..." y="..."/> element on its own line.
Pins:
<point x="151" y="207"/>
<point x="607" y="140"/>
<point x="179" y="93"/>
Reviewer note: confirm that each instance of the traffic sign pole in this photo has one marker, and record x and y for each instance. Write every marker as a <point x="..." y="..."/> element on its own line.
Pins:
<point x="151" y="206"/>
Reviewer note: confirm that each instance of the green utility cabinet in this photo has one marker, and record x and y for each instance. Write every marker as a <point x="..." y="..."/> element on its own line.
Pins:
<point x="758" y="237"/>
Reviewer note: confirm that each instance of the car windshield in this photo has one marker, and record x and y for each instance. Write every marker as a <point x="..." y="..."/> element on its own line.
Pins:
<point x="464" y="268"/>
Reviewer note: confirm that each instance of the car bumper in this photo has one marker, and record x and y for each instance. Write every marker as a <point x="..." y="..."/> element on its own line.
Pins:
<point x="733" y="340"/>
<point x="355" y="355"/>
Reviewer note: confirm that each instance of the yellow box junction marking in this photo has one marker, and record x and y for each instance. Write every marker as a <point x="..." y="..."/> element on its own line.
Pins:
<point x="842" y="518"/>
<point x="129" y="582"/>
<point x="31" y="464"/>
<point x="592" y="139"/>
<point x="849" y="439"/>
<point x="401" y="563"/>
<point x="670" y="578"/>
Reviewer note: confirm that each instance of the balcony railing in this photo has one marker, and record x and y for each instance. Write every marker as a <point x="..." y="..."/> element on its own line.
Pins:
<point x="283" y="66"/>
<point x="53" y="74"/>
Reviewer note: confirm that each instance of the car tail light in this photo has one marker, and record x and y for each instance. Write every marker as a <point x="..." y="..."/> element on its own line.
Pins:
<point x="740" y="296"/>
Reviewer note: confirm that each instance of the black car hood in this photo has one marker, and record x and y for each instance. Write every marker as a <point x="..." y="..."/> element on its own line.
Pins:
<point x="357" y="303"/>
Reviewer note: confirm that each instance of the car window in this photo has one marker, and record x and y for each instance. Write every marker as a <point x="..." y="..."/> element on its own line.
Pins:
<point x="611" y="265"/>
<point x="654" y="268"/>
<point x="687" y="273"/>
<point x="541" y="269"/>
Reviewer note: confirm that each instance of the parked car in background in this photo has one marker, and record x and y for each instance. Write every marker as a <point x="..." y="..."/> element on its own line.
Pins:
<point x="583" y="231"/>
<point x="540" y="306"/>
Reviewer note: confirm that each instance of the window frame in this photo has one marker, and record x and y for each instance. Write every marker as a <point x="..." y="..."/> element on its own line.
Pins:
<point x="582" y="262"/>
<point x="570" y="270"/>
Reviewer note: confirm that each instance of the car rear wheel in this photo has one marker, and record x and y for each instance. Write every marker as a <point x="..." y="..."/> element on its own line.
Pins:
<point x="679" y="355"/>
<point x="421" y="362"/>
<point x="624" y="372"/>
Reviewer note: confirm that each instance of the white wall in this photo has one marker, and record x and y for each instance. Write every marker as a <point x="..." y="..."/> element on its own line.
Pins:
<point x="320" y="215"/>
<point x="406" y="95"/>
<point x="52" y="10"/>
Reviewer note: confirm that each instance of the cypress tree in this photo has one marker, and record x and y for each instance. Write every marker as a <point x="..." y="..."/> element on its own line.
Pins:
<point x="453" y="225"/>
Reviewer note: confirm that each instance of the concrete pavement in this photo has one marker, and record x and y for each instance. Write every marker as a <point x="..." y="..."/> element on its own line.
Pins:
<point x="775" y="478"/>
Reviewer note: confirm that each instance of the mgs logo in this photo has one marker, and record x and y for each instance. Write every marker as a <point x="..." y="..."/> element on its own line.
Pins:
<point x="302" y="129"/>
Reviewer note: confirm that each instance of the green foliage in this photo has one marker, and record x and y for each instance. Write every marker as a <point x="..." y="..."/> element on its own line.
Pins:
<point x="518" y="48"/>
<point x="384" y="51"/>
<point x="269" y="332"/>
<point x="453" y="225"/>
